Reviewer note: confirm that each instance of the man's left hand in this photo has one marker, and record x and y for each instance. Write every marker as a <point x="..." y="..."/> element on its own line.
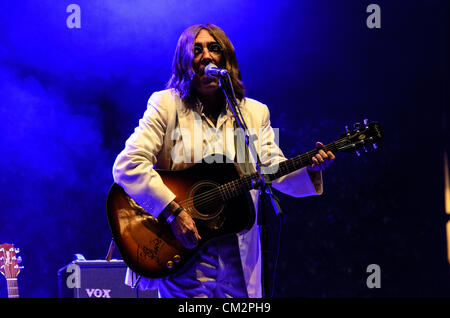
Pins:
<point x="321" y="160"/>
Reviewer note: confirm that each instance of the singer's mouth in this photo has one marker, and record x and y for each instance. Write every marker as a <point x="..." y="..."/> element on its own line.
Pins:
<point x="207" y="79"/>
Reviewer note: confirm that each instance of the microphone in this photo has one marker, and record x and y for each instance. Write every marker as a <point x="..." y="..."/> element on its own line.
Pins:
<point x="213" y="71"/>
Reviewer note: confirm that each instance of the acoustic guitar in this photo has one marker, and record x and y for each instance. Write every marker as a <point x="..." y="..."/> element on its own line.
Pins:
<point x="216" y="196"/>
<point x="9" y="267"/>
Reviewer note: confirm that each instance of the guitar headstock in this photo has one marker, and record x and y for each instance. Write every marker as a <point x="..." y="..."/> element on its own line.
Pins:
<point x="9" y="262"/>
<point x="362" y="136"/>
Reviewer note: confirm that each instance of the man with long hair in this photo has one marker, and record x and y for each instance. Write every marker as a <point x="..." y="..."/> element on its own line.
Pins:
<point x="166" y="138"/>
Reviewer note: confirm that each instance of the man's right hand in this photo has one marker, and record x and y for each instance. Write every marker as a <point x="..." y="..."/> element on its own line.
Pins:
<point x="184" y="229"/>
<point x="183" y="226"/>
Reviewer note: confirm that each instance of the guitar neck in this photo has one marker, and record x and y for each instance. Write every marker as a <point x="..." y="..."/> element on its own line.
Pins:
<point x="246" y="183"/>
<point x="13" y="289"/>
<point x="296" y="163"/>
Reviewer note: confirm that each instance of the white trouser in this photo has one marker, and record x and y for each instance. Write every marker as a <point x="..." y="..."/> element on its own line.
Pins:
<point x="215" y="271"/>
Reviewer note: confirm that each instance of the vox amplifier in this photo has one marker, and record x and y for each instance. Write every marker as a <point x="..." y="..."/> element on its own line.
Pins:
<point x="97" y="279"/>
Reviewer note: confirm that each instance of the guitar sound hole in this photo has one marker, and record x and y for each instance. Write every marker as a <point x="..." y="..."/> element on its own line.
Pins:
<point x="206" y="200"/>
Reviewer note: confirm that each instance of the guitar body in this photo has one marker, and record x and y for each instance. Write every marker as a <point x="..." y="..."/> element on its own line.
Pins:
<point x="147" y="244"/>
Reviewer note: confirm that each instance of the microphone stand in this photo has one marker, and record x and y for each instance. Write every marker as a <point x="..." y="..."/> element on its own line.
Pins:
<point x="262" y="184"/>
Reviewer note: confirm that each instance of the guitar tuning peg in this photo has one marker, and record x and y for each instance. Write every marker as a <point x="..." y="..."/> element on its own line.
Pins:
<point x="19" y="259"/>
<point x="365" y="149"/>
<point x="346" y="129"/>
<point x="17" y="250"/>
<point x="357" y="153"/>
<point x="374" y="146"/>
<point x="366" y="121"/>
<point x="357" y="125"/>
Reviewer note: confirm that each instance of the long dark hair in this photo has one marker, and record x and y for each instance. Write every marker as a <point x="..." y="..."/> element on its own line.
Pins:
<point x="183" y="73"/>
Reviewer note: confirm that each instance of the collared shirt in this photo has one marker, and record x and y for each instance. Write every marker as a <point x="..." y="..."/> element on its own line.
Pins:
<point x="218" y="138"/>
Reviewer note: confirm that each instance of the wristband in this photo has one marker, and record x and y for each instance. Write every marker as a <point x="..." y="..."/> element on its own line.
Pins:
<point x="172" y="217"/>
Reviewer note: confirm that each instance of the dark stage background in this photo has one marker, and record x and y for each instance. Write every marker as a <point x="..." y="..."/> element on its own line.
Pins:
<point x="69" y="98"/>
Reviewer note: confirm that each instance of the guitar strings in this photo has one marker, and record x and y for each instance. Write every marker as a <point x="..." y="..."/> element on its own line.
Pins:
<point x="210" y="197"/>
<point x="214" y="196"/>
<point x="207" y="196"/>
<point x="218" y="195"/>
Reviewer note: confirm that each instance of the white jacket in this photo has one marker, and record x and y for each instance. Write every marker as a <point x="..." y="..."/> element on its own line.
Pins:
<point x="151" y="146"/>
